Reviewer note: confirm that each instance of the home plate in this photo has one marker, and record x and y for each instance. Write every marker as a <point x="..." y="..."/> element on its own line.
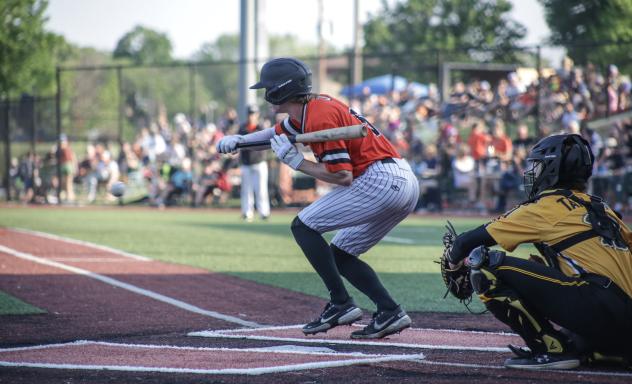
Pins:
<point x="91" y="355"/>
<point x="409" y="338"/>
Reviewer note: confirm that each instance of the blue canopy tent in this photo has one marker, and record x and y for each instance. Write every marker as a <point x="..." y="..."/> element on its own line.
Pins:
<point x="384" y="84"/>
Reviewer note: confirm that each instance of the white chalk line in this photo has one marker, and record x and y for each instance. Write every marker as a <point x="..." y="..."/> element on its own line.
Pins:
<point x="218" y="335"/>
<point x="296" y="326"/>
<point x="418" y="358"/>
<point x="81" y="242"/>
<point x="355" y="358"/>
<point x="80" y="343"/>
<point x="130" y="287"/>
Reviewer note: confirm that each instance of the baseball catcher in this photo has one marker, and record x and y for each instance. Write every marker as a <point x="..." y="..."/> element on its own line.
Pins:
<point x="572" y="306"/>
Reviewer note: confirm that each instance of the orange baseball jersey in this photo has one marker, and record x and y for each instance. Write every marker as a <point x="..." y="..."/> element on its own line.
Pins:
<point x="353" y="155"/>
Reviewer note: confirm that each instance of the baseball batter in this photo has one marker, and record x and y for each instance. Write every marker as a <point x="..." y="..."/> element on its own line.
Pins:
<point x="583" y="281"/>
<point x="376" y="190"/>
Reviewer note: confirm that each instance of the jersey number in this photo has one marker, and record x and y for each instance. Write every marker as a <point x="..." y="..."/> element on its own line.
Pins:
<point x="365" y="122"/>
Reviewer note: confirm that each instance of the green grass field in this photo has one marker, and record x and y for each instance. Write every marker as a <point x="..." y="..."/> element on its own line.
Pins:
<point x="261" y="251"/>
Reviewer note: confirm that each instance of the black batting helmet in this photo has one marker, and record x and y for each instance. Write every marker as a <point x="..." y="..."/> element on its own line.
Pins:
<point x="283" y="79"/>
<point x="558" y="159"/>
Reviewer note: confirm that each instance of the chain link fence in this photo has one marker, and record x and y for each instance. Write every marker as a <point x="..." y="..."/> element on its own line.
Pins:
<point x="119" y="109"/>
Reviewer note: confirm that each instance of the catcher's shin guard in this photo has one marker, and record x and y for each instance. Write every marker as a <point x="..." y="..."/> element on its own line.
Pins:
<point x="506" y="306"/>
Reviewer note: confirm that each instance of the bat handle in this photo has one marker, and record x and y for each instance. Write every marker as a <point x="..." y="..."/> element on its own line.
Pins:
<point x="262" y="144"/>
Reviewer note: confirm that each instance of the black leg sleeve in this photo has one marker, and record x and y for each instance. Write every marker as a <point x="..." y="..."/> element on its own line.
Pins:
<point x="364" y="278"/>
<point x="321" y="258"/>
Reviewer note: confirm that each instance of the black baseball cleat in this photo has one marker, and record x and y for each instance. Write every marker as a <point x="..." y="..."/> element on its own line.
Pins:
<point x="333" y="315"/>
<point x="543" y="361"/>
<point x="384" y="323"/>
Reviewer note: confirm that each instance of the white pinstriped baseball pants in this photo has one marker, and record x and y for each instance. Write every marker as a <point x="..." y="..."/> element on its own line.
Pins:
<point x="368" y="209"/>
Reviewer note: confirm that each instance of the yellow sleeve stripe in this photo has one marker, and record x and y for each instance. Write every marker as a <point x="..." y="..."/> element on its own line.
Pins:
<point x="545" y="278"/>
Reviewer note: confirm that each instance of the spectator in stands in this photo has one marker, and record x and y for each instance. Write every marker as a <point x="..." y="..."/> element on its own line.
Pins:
<point x="68" y="168"/>
<point x="478" y="141"/>
<point x="512" y="171"/>
<point x="594" y="138"/>
<point x="624" y="96"/>
<point x="86" y="166"/>
<point x="464" y="173"/>
<point x="501" y="99"/>
<point x="428" y="171"/>
<point x="503" y="147"/>
<point x="182" y="127"/>
<point x="229" y="123"/>
<point x="514" y="86"/>
<point x="106" y="173"/>
<point x="569" y="115"/>
<point x="393" y="123"/>
<point x="14" y="177"/>
<point x="46" y="189"/>
<point x="609" y="173"/>
<point x="28" y="172"/>
<point x="203" y="143"/>
<point x="129" y="163"/>
<point x="254" y="172"/>
<point x="212" y="181"/>
<point x="175" y="152"/>
<point x="523" y="140"/>
<point x="179" y="184"/>
<point x="613" y="83"/>
<point x="153" y="143"/>
<point x="423" y="126"/>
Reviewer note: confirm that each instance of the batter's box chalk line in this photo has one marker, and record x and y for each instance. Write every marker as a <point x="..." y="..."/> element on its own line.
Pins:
<point x="255" y="334"/>
<point x="349" y="358"/>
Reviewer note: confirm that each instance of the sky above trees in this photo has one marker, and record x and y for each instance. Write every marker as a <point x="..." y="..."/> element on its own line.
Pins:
<point x="189" y="23"/>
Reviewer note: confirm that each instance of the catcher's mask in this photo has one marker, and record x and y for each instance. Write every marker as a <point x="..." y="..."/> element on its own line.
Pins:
<point x="565" y="158"/>
<point x="283" y="79"/>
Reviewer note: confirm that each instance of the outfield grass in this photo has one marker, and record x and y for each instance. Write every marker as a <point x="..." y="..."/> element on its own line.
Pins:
<point x="261" y="251"/>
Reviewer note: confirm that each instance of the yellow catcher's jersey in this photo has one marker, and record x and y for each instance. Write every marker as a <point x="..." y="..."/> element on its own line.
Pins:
<point x="554" y="218"/>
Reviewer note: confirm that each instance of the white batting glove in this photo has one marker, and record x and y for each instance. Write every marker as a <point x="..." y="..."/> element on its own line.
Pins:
<point x="228" y="144"/>
<point x="286" y="151"/>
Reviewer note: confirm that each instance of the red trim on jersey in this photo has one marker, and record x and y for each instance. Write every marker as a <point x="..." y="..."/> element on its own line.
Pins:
<point x="353" y="155"/>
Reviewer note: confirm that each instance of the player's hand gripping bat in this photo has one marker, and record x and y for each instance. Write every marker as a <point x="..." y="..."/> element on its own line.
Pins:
<point x="342" y="133"/>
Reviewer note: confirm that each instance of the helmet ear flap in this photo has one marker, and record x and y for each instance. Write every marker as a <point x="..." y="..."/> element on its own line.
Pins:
<point x="587" y="155"/>
<point x="577" y="158"/>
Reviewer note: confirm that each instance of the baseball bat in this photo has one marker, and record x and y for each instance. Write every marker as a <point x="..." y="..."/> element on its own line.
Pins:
<point x="341" y="133"/>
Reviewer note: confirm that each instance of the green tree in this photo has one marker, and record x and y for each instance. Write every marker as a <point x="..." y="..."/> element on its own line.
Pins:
<point x="581" y="25"/>
<point x="290" y="45"/>
<point x="464" y="30"/>
<point x="28" y="53"/>
<point x="144" y="46"/>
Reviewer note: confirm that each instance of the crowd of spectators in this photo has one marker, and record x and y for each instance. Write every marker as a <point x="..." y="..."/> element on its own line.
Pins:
<point x="468" y="150"/>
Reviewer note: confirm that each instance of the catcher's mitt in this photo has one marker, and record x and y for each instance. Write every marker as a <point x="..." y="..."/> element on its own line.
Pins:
<point x="456" y="278"/>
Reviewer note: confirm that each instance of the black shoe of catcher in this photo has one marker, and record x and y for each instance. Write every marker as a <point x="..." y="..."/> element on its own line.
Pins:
<point x="543" y="361"/>
<point x="384" y="323"/>
<point x="333" y="315"/>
